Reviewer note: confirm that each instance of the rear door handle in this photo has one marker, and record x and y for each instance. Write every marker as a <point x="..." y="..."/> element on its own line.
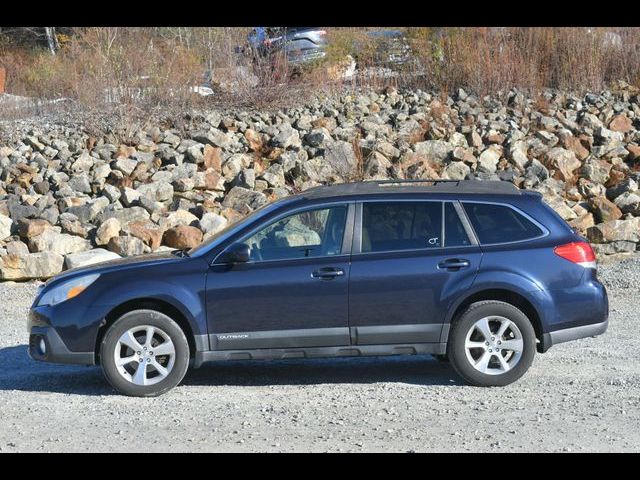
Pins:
<point x="327" y="273"/>
<point x="454" y="264"/>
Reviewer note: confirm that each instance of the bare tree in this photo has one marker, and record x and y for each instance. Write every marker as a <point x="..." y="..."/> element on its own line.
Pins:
<point x="52" y="40"/>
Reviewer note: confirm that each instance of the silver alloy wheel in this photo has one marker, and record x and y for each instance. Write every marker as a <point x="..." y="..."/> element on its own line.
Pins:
<point x="144" y="355"/>
<point x="494" y="345"/>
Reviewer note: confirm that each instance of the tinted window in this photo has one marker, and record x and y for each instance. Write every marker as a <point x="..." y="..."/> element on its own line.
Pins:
<point x="454" y="232"/>
<point x="312" y="233"/>
<point x="498" y="223"/>
<point x="401" y="226"/>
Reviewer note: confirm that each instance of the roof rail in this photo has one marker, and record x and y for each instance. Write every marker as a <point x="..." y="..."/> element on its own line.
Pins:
<point x="416" y="180"/>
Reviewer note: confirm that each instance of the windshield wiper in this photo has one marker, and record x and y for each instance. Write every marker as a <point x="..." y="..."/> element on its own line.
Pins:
<point x="182" y="253"/>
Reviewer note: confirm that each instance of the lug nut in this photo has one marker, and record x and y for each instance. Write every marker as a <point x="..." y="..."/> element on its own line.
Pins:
<point x="499" y="342"/>
<point x="150" y="353"/>
<point x="486" y="343"/>
<point x="490" y="350"/>
<point x="140" y="360"/>
<point x="493" y="338"/>
<point x="137" y="353"/>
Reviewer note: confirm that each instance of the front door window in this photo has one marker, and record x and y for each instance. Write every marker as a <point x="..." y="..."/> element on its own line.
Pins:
<point x="307" y="234"/>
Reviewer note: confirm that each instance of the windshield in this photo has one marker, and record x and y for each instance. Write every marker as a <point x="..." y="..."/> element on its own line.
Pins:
<point x="234" y="227"/>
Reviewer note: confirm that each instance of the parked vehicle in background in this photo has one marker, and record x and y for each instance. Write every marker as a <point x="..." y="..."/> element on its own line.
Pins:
<point x="477" y="272"/>
<point x="299" y="45"/>
<point x="390" y="49"/>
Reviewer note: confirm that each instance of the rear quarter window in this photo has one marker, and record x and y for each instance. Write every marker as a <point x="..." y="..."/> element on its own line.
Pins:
<point x="499" y="223"/>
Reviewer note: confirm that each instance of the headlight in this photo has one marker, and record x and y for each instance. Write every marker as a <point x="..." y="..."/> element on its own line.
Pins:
<point x="67" y="290"/>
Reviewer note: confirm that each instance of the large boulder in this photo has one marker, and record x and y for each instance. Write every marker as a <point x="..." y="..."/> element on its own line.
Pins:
<point x="615" y="230"/>
<point x="241" y="199"/>
<point x="179" y="217"/>
<point x="435" y="150"/>
<point x="604" y="210"/>
<point x="212" y="223"/>
<point x="182" y="236"/>
<point x="31" y="227"/>
<point x="629" y="203"/>
<point x="107" y="230"/>
<point x="563" y="161"/>
<point x="126" y="246"/>
<point x="31" y="266"/>
<point x="90" y="257"/>
<point x="62" y="243"/>
<point x="147" y="231"/>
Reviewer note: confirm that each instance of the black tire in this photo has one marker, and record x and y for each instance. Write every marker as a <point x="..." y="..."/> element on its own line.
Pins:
<point x="456" y="345"/>
<point x="131" y="320"/>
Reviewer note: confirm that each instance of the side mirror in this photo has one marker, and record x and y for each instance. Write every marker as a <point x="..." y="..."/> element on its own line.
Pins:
<point x="238" y="253"/>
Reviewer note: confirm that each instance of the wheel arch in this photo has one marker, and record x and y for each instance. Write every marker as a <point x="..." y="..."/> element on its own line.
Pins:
<point x="506" y="295"/>
<point x="155" y="304"/>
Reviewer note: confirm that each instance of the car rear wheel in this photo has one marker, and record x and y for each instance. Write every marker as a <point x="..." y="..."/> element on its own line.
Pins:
<point x="491" y="344"/>
<point x="144" y="354"/>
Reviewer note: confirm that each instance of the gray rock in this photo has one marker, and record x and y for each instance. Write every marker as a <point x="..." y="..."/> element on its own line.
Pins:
<point x="628" y="185"/>
<point x="80" y="183"/>
<point x="629" y="202"/>
<point x="437" y="150"/>
<point x="317" y="170"/>
<point x="129" y="196"/>
<point x="52" y="241"/>
<point x="90" y="257"/>
<point x="177" y="218"/>
<point x="126" y="246"/>
<point x="455" y="171"/>
<point x="287" y="137"/>
<point x="241" y="199"/>
<point x="125" y="165"/>
<point x="274" y="176"/>
<point x="5" y="227"/>
<point x="124" y="215"/>
<point x="213" y="137"/>
<point x="341" y="157"/>
<point x="488" y="160"/>
<point x="160" y="191"/>
<point x="111" y="192"/>
<point x="615" y="230"/>
<point x="595" y="170"/>
<point x="107" y="230"/>
<point x="211" y="223"/>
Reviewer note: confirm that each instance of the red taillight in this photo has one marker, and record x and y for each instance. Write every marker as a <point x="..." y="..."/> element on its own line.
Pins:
<point x="577" y="252"/>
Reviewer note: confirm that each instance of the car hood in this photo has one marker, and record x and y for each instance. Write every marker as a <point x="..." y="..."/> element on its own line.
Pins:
<point x="102" y="267"/>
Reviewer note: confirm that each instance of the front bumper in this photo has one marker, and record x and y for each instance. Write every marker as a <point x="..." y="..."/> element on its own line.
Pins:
<point x="54" y="351"/>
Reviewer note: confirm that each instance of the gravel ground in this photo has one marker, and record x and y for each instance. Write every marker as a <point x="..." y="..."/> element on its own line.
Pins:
<point x="580" y="396"/>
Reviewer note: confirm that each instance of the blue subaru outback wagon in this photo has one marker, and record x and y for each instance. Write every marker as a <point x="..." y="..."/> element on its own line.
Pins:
<point x="477" y="272"/>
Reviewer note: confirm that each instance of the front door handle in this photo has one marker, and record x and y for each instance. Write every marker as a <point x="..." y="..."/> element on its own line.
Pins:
<point x="454" y="264"/>
<point x="327" y="273"/>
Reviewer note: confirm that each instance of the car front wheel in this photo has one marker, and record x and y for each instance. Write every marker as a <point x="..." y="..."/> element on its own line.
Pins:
<point x="144" y="354"/>
<point x="491" y="344"/>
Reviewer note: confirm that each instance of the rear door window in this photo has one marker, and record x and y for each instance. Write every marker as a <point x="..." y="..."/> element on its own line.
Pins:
<point x="499" y="223"/>
<point x="392" y="226"/>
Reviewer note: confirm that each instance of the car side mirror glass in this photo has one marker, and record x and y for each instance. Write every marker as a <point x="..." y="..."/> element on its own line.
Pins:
<point x="238" y="253"/>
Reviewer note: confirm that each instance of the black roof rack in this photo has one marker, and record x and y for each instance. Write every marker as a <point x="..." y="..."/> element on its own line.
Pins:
<point x="415" y="186"/>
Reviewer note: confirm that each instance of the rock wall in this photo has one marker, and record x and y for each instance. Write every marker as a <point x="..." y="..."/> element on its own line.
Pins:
<point x="68" y="197"/>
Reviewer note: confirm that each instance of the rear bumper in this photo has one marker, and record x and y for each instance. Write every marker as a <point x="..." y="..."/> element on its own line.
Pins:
<point x="574" y="333"/>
